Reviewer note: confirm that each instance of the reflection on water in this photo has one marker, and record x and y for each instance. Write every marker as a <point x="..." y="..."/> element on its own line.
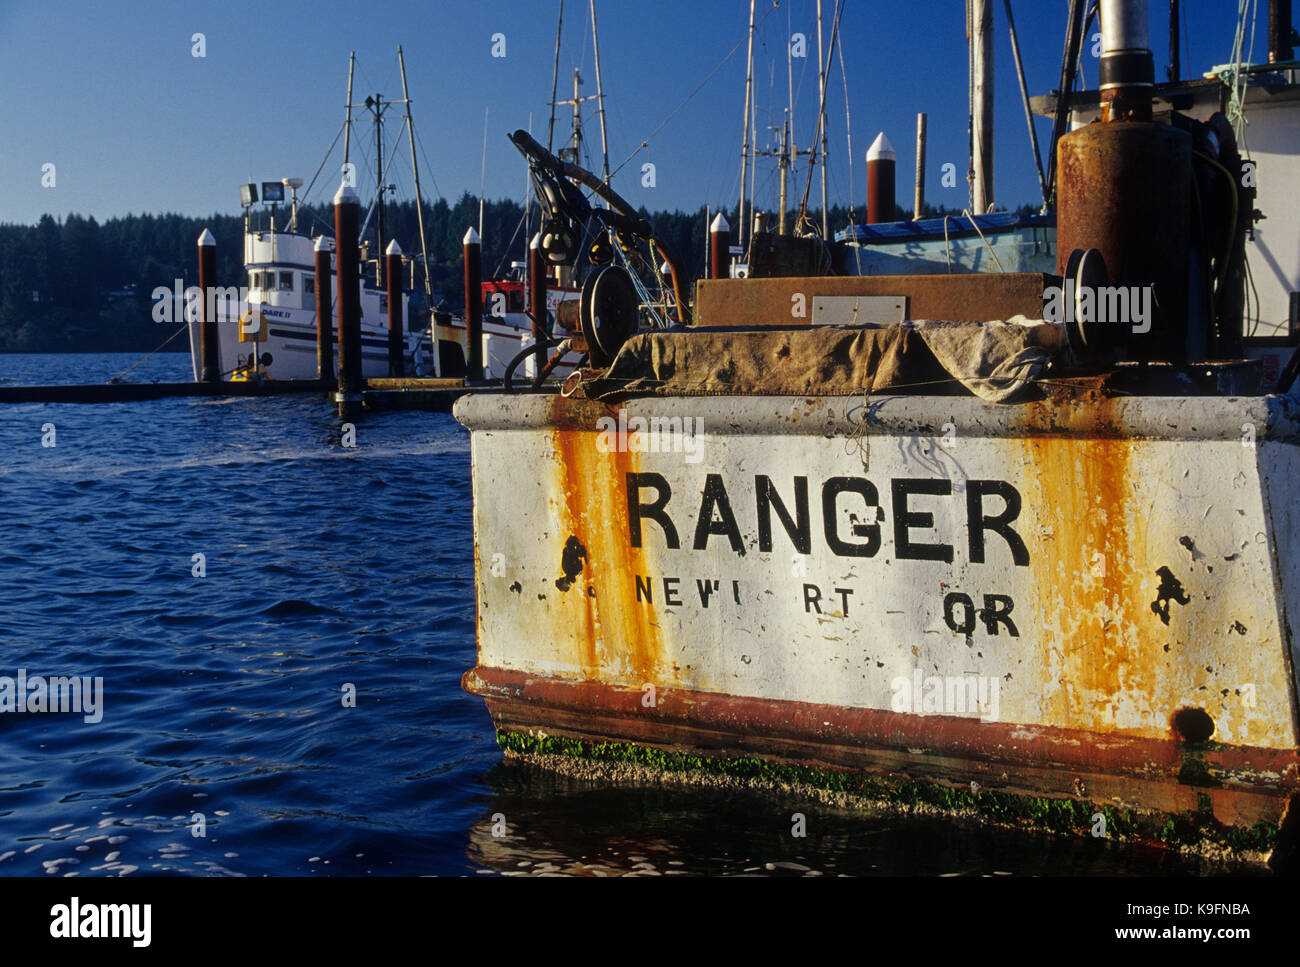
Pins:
<point x="557" y="825"/>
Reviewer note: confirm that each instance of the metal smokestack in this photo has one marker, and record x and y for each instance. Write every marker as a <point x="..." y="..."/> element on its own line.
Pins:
<point x="1127" y="72"/>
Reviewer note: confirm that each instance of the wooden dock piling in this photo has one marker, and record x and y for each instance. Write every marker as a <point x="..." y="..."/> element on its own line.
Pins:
<point x="719" y="248"/>
<point x="396" y="353"/>
<point x="473" y="306"/>
<point x="347" y="209"/>
<point x="324" y="312"/>
<point x="209" y="343"/>
<point x="537" y="299"/>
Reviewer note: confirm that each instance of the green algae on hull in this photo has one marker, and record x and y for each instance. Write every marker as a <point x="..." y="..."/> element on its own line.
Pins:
<point x="1195" y="829"/>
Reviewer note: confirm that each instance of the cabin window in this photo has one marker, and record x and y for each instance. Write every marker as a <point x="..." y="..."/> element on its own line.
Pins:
<point x="286" y="281"/>
<point x="308" y="285"/>
<point x="383" y="303"/>
<point x="255" y="280"/>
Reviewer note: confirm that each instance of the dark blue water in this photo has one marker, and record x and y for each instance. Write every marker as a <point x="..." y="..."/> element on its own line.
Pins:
<point x="324" y="567"/>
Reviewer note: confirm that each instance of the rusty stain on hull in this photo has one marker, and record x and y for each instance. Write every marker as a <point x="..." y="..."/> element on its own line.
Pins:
<point x="1100" y="695"/>
<point x="591" y="504"/>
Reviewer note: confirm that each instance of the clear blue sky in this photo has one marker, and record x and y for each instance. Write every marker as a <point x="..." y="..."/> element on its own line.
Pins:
<point x="111" y="95"/>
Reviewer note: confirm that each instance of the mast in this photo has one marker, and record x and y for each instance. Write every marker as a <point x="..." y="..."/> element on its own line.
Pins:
<point x="415" y="169"/>
<point x="555" y="81"/>
<point x="378" y="111"/>
<point x="347" y="126"/>
<point x="577" y="117"/>
<point x="1175" y="66"/>
<point x="1024" y="97"/>
<point x="744" y="151"/>
<point x="821" y="114"/>
<point x="981" y="47"/>
<point x="784" y="164"/>
<point x="600" y="98"/>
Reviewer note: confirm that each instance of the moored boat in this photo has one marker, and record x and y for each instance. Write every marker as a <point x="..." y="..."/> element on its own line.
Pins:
<point x="1030" y="554"/>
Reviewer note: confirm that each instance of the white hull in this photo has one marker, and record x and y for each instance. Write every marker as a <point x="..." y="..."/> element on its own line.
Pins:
<point x="291" y="344"/>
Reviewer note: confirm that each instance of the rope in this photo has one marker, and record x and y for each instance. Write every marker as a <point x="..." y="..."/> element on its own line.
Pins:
<point x="590" y="377"/>
<point x="971" y="219"/>
<point x="1234" y="76"/>
<point x="118" y="377"/>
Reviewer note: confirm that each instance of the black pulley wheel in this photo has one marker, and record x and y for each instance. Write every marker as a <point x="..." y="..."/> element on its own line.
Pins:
<point x="608" y="312"/>
<point x="1088" y="338"/>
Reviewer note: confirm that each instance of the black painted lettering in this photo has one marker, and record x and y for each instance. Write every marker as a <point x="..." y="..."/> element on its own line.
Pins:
<point x="643" y="588"/>
<point x="798" y="528"/>
<point x="978" y="523"/>
<point x="713" y="501"/>
<point x="636" y="510"/>
<point x="996" y="611"/>
<point x="707" y="589"/>
<point x="868" y="529"/>
<point x="844" y="600"/>
<point x="812" y="596"/>
<point x="670" y="592"/>
<point x="950" y="602"/>
<point x="906" y="520"/>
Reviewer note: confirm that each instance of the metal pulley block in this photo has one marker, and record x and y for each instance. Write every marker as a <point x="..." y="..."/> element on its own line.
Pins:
<point x="608" y="312"/>
<point x="1088" y="338"/>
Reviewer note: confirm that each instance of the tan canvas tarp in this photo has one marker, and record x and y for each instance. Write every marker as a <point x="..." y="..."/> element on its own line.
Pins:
<point x="992" y="360"/>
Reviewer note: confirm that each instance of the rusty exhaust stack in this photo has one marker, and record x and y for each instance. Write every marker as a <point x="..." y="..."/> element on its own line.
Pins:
<point x="1125" y="189"/>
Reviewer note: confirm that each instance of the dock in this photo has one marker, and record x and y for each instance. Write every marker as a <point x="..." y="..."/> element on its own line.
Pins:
<point x="436" y="395"/>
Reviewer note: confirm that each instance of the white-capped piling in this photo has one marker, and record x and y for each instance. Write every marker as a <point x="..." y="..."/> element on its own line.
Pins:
<point x="396" y="356"/>
<point x="537" y="299"/>
<point x="347" y="210"/>
<point x="719" y="248"/>
<point x="881" y="161"/>
<point x="473" y="305"/>
<point x="324" y="312"/>
<point x="209" y="343"/>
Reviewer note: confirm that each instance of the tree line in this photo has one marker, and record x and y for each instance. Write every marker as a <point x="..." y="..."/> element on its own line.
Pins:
<point x="79" y="285"/>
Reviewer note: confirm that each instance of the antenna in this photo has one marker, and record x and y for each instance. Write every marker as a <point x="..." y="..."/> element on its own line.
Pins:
<point x="293" y="184"/>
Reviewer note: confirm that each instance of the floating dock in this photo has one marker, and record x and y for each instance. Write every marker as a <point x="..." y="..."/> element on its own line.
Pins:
<point x="436" y="395"/>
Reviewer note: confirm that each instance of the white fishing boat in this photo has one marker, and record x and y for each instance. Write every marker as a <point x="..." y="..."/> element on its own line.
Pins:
<point x="270" y="332"/>
<point x="1033" y="569"/>
<point x="267" y="327"/>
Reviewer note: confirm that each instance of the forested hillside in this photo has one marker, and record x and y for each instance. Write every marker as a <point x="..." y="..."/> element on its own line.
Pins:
<point x="77" y="285"/>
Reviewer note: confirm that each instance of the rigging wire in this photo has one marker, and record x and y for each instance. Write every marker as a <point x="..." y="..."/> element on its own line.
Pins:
<point x="775" y="6"/>
<point x="803" y="223"/>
